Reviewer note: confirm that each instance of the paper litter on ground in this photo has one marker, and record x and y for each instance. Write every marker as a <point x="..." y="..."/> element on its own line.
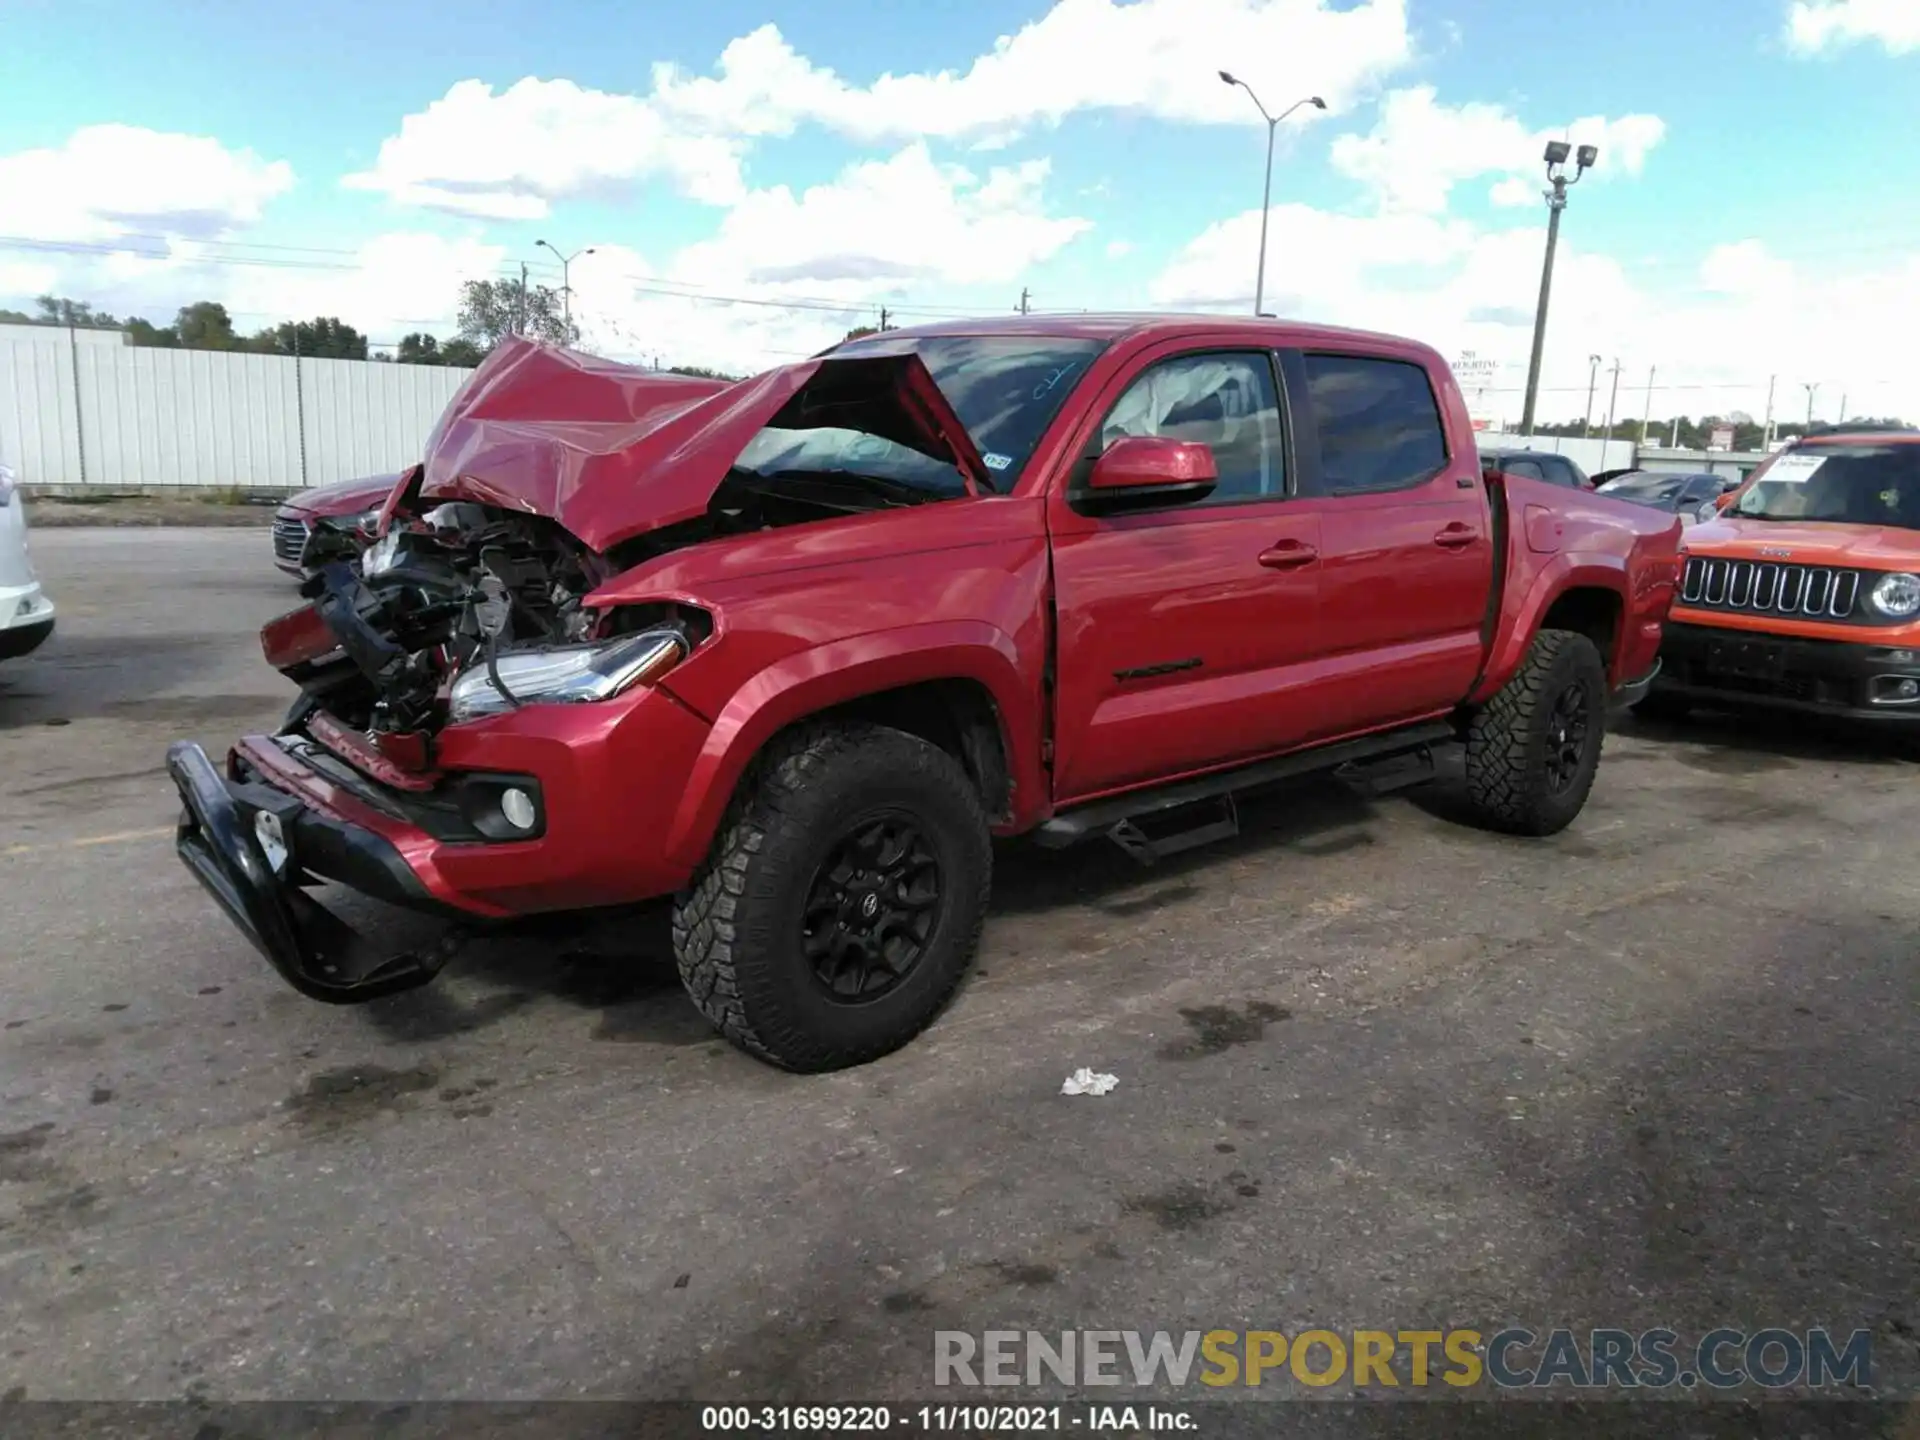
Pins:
<point x="1085" y="1082"/>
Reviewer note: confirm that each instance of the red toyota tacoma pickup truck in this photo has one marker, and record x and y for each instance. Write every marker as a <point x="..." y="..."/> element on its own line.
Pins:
<point x="793" y="650"/>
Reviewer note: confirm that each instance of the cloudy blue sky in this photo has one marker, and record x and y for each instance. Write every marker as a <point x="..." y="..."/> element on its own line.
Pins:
<point x="755" y="178"/>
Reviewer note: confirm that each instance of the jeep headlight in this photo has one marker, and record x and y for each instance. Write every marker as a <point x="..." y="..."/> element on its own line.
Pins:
<point x="1897" y="595"/>
<point x="563" y="675"/>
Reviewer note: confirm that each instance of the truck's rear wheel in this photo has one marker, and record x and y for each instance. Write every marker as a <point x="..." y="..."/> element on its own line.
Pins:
<point x="842" y="901"/>
<point x="1533" y="748"/>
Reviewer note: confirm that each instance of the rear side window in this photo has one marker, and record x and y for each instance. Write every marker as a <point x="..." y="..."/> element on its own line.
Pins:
<point x="1378" y="424"/>
<point x="1525" y="468"/>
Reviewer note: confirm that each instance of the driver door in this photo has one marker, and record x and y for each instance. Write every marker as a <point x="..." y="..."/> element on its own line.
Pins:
<point x="1184" y="632"/>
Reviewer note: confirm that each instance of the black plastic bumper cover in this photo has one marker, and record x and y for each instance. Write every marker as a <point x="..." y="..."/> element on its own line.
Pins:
<point x="1739" y="668"/>
<point x="313" y="949"/>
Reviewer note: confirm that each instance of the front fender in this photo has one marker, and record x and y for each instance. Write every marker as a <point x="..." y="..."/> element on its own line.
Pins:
<point x="818" y="679"/>
<point x="1524" y="606"/>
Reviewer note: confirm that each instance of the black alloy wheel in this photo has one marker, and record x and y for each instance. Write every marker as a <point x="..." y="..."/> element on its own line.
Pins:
<point x="1566" y="738"/>
<point x="871" y="908"/>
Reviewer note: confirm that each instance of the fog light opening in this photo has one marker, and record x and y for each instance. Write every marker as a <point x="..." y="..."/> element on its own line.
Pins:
<point x="516" y="807"/>
<point x="1895" y="690"/>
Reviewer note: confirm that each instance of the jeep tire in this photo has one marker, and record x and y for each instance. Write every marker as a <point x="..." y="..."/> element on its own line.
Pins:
<point x="808" y="937"/>
<point x="1532" y="749"/>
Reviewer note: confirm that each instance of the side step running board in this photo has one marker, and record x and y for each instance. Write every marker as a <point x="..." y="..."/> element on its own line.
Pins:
<point x="1377" y="762"/>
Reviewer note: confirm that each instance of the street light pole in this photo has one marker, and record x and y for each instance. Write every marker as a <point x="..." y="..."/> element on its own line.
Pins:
<point x="1812" y="387"/>
<point x="1556" y="156"/>
<point x="566" y="288"/>
<point x="1614" y="399"/>
<point x="1593" y="379"/>
<point x="1266" y="190"/>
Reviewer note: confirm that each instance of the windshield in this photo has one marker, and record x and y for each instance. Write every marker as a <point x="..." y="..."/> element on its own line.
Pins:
<point x="1647" y="489"/>
<point x="1006" y="389"/>
<point x="1845" y="484"/>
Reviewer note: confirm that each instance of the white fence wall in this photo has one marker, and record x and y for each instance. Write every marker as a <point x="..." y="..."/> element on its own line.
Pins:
<point x="126" y="417"/>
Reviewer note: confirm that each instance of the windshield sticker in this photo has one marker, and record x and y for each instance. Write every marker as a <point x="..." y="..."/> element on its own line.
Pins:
<point x="996" y="462"/>
<point x="1795" y="469"/>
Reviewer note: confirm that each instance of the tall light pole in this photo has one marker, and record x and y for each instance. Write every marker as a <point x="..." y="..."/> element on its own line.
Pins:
<point x="1557" y="181"/>
<point x="566" y="289"/>
<point x="1266" y="192"/>
<point x="1812" y="387"/>
<point x="1593" y="378"/>
<point x="1614" y="399"/>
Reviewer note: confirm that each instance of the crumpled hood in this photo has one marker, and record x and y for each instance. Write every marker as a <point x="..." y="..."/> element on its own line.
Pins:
<point x="1866" y="547"/>
<point x="610" y="451"/>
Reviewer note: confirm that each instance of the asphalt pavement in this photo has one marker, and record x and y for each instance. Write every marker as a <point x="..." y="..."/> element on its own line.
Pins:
<point x="1376" y="1070"/>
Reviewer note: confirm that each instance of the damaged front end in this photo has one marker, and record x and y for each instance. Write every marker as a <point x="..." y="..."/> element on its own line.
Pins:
<point x="462" y="612"/>
<point x="454" y="614"/>
<point x="401" y="772"/>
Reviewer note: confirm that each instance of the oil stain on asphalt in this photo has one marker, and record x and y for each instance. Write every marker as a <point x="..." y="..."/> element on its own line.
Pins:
<point x="334" y="1099"/>
<point x="1218" y="1028"/>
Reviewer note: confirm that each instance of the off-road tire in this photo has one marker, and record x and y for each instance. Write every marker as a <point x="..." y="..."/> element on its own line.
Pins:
<point x="736" y="927"/>
<point x="1663" y="705"/>
<point x="1507" y="739"/>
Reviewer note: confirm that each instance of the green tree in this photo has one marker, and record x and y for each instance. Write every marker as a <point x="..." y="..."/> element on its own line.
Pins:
<point x="145" y="332"/>
<point x="205" y="325"/>
<point x="701" y="372"/>
<point x="860" y="332"/>
<point x="327" y="338"/>
<point x="57" y="310"/>
<point x="491" y="310"/>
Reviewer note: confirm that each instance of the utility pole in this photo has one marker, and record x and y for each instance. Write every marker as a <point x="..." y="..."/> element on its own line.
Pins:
<point x="1593" y="378"/>
<point x="1557" y="180"/>
<point x="1646" y="416"/>
<point x="1024" y="298"/>
<point x="1842" y="416"/>
<point x="1614" y="399"/>
<point x="1673" y="440"/>
<point x="1812" y="388"/>
<point x="1766" y="429"/>
<point x="884" y="314"/>
<point x="520" y="316"/>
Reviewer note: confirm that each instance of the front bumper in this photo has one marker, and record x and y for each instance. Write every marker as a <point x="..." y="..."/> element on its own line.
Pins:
<point x="313" y="949"/>
<point x="26" y="620"/>
<point x="1720" y="665"/>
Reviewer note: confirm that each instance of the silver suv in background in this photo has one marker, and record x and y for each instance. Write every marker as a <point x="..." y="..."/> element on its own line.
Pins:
<point x="26" y="615"/>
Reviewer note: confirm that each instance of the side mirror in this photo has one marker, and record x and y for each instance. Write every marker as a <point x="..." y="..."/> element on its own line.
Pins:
<point x="1150" y="470"/>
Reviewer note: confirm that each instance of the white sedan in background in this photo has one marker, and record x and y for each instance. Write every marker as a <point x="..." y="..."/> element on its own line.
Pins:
<point x="26" y="615"/>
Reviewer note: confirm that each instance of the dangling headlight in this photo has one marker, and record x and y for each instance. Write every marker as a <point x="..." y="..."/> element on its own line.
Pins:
<point x="563" y="675"/>
<point x="380" y="557"/>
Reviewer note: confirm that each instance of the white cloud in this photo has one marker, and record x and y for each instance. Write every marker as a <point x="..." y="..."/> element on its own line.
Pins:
<point x="835" y="251"/>
<point x="1817" y="25"/>
<point x="113" y="180"/>
<point x="1118" y="248"/>
<point x="882" y="223"/>
<point x="1713" y="337"/>
<point x="509" y="155"/>
<point x="393" y="284"/>
<point x="1419" y="149"/>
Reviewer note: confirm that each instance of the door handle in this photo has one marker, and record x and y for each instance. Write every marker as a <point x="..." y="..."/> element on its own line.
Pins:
<point x="1288" y="555"/>
<point x="1456" y="537"/>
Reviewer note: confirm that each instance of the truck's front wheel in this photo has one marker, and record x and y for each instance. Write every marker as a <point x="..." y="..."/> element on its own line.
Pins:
<point x="842" y="901"/>
<point x="1533" y="748"/>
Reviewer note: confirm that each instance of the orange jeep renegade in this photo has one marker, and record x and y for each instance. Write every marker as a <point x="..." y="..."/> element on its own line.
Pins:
<point x="1804" y="594"/>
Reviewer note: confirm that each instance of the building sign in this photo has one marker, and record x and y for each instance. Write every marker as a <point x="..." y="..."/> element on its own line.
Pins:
<point x="1478" y="376"/>
<point x="1721" y="438"/>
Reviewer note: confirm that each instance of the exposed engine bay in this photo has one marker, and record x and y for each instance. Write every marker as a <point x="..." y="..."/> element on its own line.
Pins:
<point x="434" y="621"/>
